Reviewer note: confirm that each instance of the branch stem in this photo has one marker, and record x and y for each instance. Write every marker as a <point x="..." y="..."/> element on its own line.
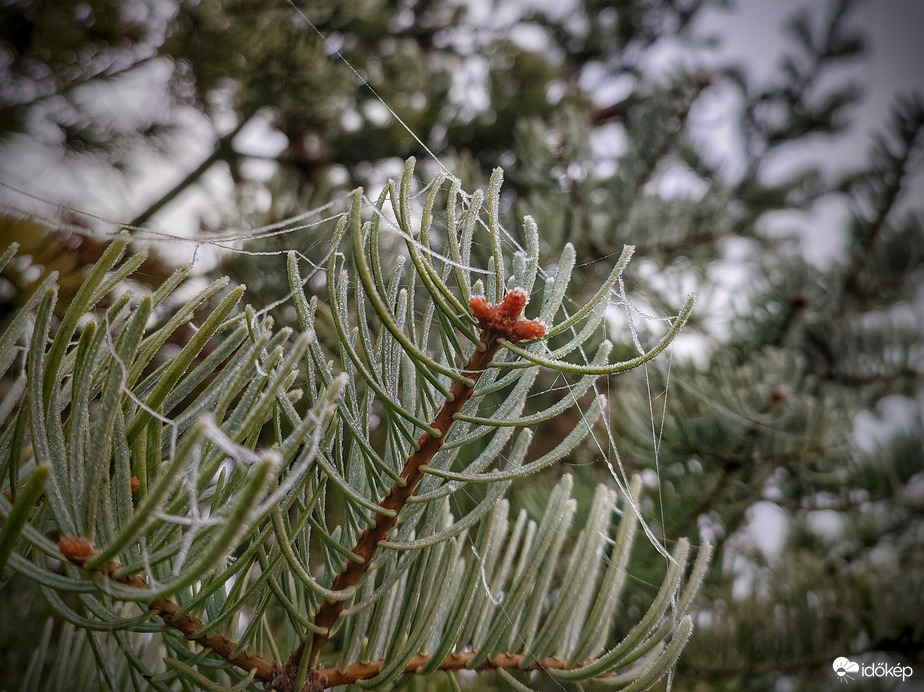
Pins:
<point x="78" y="551"/>
<point x="398" y="495"/>
<point x="188" y="625"/>
<point x="331" y="677"/>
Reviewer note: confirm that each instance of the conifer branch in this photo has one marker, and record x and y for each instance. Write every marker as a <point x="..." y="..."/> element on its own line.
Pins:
<point x="497" y="322"/>
<point x="331" y="677"/>
<point x="228" y="415"/>
<point x="78" y="551"/>
<point x="883" y="185"/>
<point x="398" y="495"/>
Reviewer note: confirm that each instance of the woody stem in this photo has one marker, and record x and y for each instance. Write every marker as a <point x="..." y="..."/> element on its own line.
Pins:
<point x="189" y="626"/>
<point x="398" y="495"/>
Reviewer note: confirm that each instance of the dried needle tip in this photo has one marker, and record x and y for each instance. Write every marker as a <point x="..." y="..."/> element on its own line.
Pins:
<point x="506" y="319"/>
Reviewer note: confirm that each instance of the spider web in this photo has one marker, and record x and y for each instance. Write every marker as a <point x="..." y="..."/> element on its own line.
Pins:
<point x="238" y="240"/>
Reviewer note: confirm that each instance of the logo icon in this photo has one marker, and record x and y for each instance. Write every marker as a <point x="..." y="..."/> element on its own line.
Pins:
<point x="843" y="667"/>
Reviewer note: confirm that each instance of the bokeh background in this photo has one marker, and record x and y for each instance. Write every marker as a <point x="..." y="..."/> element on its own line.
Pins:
<point x="764" y="155"/>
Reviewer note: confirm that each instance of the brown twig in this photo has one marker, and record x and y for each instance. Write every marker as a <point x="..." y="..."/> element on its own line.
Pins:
<point x="78" y="550"/>
<point x="400" y="492"/>
<point x="331" y="677"/>
<point x="188" y="626"/>
<point x="501" y="321"/>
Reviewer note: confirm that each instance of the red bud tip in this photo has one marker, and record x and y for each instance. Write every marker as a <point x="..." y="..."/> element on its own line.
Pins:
<point x="505" y="320"/>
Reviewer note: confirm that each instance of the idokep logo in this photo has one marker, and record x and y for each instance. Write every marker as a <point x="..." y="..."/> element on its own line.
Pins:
<point x="843" y="667"/>
<point x="846" y="670"/>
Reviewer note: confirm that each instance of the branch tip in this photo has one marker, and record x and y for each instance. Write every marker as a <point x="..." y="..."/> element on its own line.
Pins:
<point x="505" y="320"/>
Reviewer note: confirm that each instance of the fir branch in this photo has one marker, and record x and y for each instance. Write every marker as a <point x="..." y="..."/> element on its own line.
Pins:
<point x="671" y="138"/>
<point x="748" y="459"/>
<point x="497" y="322"/>
<point x="188" y="626"/>
<point x="331" y="677"/>
<point x="78" y="551"/>
<point x="107" y="74"/>
<point x="881" y="186"/>
<point x="101" y="528"/>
